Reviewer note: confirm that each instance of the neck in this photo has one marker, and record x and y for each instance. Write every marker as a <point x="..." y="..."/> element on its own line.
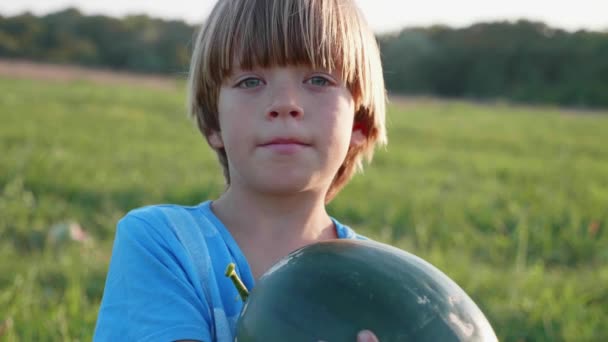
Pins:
<point x="294" y="217"/>
<point x="268" y="227"/>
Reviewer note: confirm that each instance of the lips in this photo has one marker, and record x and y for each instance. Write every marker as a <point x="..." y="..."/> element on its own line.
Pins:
<point x="284" y="146"/>
<point x="284" y="141"/>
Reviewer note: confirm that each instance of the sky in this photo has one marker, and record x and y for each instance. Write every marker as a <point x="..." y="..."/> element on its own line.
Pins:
<point x="382" y="15"/>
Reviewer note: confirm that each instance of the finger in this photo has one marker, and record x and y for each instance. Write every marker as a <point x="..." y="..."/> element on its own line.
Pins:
<point x="366" y="336"/>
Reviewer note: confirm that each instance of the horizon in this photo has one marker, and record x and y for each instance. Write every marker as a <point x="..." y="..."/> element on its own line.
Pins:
<point x="584" y="15"/>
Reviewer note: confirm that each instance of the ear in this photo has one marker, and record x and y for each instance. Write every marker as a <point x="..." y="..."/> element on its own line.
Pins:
<point x="215" y="140"/>
<point x="358" y="136"/>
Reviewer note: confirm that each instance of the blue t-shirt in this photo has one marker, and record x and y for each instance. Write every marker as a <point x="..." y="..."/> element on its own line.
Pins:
<point x="166" y="278"/>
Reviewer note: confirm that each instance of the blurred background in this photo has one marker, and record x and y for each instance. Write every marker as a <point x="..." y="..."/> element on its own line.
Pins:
<point x="496" y="169"/>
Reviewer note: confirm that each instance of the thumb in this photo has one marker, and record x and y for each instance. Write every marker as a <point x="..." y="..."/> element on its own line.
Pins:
<point x="366" y="336"/>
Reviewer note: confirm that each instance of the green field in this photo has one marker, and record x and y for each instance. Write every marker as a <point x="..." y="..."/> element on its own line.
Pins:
<point x="511" y="202"/>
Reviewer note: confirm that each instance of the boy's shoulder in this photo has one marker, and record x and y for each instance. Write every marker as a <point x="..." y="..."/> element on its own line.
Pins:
<point x="157" y="211"/>
<point x="345" y="232"/>
<point x="169" y="218"/>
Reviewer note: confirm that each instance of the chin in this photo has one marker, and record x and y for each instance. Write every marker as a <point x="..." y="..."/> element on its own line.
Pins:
<point x="285" y="187"/>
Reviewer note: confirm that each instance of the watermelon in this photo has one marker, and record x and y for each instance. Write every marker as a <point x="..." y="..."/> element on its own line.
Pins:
<point x="331" y="290"/>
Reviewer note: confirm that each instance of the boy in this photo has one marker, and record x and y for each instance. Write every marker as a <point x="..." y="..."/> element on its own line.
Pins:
<point x="290" y="95"/>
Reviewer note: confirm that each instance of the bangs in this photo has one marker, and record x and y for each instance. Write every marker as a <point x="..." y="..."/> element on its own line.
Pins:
<point x="266" y="33"/>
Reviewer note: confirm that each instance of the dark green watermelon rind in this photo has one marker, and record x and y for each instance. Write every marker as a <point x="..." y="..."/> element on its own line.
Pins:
<point x="331" y="290"/>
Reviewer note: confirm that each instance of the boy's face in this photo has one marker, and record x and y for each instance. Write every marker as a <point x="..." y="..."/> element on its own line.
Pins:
<point x="284" y="129"/>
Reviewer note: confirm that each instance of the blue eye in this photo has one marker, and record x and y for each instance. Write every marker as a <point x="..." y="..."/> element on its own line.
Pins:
<point x="319" y="81"/>
<point x="250" y="82"/>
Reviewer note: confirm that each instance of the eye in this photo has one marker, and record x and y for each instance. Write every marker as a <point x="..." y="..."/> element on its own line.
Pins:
<point x="250" y="82"/>
<point x="319" y="81"/>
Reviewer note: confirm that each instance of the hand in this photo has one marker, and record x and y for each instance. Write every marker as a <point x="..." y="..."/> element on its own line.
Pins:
<point x="366" y="336"/>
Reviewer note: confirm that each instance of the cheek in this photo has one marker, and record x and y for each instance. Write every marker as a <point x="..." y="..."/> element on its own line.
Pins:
<point x="343" y="118"/>
<point x="232" y="117"/>
<point x="337" y="130"/>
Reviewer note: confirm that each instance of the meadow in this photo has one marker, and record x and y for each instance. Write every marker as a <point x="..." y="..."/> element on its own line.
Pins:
<point x="509" y="201"/>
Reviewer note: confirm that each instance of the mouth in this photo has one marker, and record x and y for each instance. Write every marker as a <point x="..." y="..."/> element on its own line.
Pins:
<point x="284" y="146"/>
<point x="284" y="141"/>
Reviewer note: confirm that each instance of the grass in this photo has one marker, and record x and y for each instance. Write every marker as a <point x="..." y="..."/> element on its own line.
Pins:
<point x="511" y="202"/>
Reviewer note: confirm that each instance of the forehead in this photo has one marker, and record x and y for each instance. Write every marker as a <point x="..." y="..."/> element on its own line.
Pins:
<point x="284" y="33"/>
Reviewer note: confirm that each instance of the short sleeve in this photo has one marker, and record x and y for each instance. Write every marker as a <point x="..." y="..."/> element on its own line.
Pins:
<point x="151" y="291"/>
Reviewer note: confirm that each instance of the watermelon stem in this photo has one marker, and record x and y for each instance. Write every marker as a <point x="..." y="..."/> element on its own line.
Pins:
<point x="236" y="281"/>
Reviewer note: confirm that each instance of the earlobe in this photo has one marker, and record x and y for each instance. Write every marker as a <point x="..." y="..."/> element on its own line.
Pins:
<point x="357" y="138"/>
<point x="215" y="140"/>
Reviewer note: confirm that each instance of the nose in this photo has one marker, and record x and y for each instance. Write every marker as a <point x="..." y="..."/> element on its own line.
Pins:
<point x="285" y="103"/>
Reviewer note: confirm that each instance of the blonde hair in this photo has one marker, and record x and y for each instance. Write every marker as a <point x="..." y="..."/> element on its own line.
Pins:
<point x="328" y="34"/>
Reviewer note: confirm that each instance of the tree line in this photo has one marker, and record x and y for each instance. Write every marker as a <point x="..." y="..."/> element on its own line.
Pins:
<point x="521" y="61"/>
